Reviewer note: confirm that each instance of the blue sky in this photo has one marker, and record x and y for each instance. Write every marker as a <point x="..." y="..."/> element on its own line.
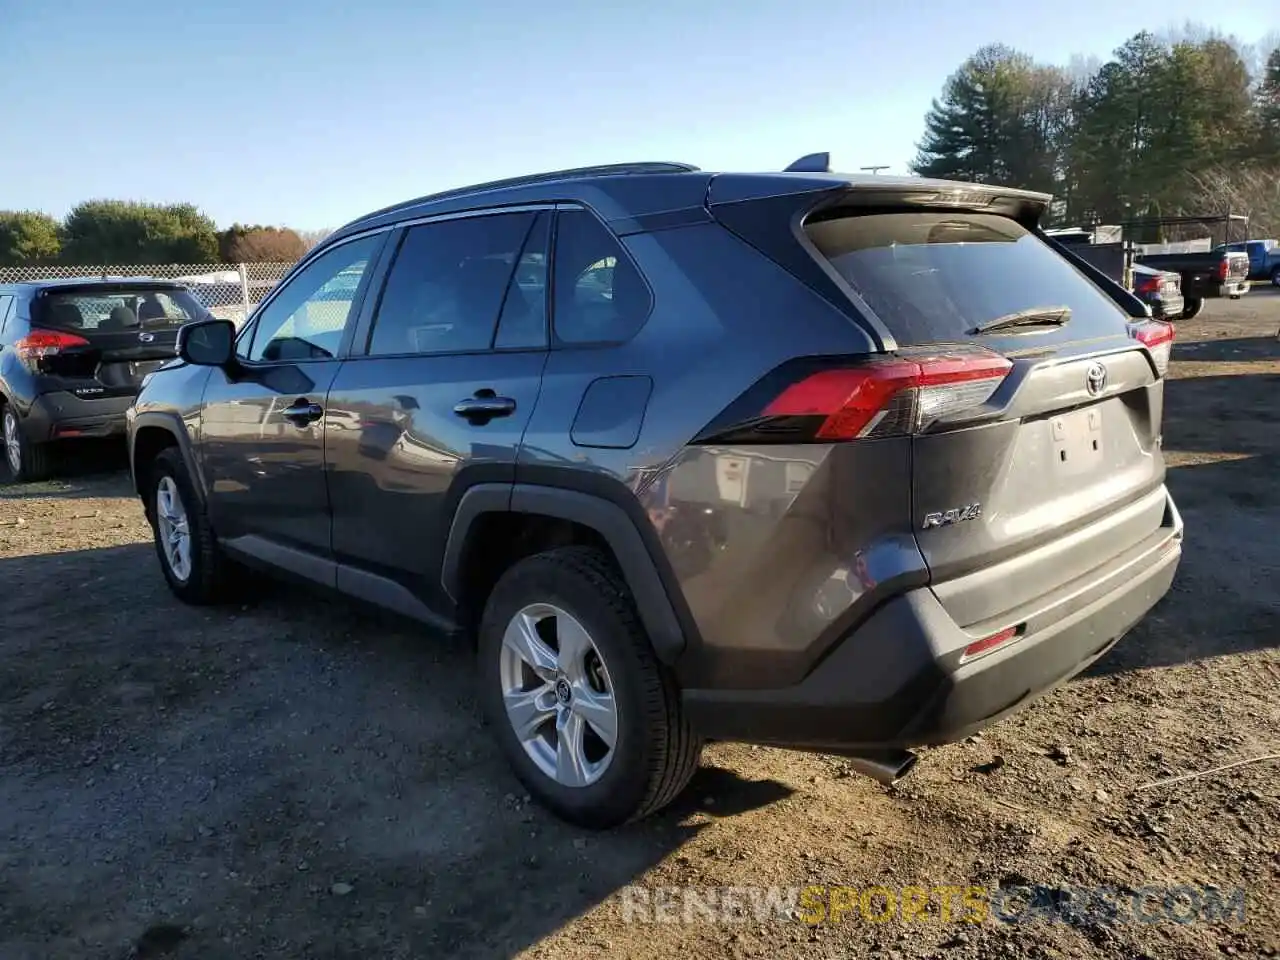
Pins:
<point x="310" y="112"/>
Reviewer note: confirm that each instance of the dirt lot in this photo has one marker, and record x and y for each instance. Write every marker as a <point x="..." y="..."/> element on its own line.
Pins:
<point x="304" y="779"/>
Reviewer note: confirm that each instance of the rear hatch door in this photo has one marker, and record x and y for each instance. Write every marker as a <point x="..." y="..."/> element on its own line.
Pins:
<point x="1059" y="471"/>
<point x="113" y="334"/>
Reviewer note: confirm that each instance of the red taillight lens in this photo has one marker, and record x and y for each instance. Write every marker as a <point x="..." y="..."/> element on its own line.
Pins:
<point x="1157" y="336"/>
<point x="896" y="395"/>
<point x="1147" y="285"/>
<point x="1224" y="268"/>
<point x="46" y="343"/>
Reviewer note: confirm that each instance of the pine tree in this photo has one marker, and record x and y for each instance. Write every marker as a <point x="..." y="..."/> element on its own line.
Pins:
<point x="1267" y="105"/>
<point x="999" y="120"/>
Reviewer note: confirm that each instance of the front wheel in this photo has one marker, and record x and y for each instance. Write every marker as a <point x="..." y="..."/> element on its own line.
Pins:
<point x="1190" y="308"/>
<point x="26" y="461"/>
<point x="1275" y="277"/>
<point x="589" y="719"/>
<point x="195" y="568"/>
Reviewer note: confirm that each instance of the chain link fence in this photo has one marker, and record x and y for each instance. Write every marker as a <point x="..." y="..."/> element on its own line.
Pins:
<point x="229" y="290"/>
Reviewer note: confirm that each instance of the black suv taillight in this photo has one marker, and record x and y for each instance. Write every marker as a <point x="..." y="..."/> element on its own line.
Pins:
<point x="39" y="346"/>
<point x="862" y="400"/>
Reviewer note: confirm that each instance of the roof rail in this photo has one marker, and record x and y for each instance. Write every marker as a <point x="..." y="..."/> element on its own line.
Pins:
<point x="602" y="170"/>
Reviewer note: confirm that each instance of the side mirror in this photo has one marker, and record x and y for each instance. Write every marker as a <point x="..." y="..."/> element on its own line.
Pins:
<point x="207" y="343"/>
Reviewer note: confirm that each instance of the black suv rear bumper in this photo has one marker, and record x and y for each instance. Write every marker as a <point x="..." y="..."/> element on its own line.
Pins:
<point x="58" y="415"/>
<point x="896" y="681"/>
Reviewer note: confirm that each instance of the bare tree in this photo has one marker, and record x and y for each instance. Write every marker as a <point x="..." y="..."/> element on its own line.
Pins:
<point x="1254" y="192"/>
<point x="312" y="237"/>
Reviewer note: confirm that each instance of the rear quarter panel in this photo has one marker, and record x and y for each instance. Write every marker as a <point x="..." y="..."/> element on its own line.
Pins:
<point x="741" y="531"/>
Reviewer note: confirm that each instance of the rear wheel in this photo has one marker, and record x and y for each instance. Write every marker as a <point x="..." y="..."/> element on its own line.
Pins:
<point x="194" y="566"/>
<point x="26" y="461"/>
<point x="1191" y="308"/>
<point x="1275" y="277"/>
<point x="590" y="721"/>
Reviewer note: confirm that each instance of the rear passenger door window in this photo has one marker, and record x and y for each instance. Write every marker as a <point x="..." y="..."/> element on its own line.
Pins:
<point x="600" y="296"/>
<point x="449" y="283"/>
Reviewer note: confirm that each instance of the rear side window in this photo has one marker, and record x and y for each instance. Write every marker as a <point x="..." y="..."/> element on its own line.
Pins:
<point x="448" y="284"/>
<point x="934" y="277"/>
<point x="600" y="296"/>
<point x="122" y="310"/>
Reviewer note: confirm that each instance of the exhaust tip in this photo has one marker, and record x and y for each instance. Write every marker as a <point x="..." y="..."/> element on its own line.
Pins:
<point x="886" y="768"/>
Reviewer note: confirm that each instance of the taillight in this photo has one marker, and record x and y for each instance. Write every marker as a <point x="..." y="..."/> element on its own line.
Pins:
<point x="1224" y="268"/>
<point x="1157" y="336"/>
<point x="892" y="396"/>
<point x="39" y="344"/>
<point x="1148" y="285"/>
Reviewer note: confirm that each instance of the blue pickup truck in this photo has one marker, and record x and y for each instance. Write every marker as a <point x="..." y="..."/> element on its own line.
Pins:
<point x="1264" y="258"/>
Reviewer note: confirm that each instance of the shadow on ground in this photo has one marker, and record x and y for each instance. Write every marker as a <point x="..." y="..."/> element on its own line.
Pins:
<point x="290" y="777"/>
<point x="77" y="466"/>
<point x="1237" y="350"/>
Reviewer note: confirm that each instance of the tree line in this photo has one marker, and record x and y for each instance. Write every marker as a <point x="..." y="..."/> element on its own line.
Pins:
<point x="127" y="233"/>
<point x="1186" y="125"/>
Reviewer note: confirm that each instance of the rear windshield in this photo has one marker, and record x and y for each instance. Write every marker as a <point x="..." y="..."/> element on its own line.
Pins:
<point x="936" y="276"/>
<point x="108" y="310"/>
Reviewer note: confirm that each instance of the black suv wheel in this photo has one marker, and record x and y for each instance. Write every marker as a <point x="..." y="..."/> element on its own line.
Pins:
<point x="26" y="460"/>
<point x="589" y="719"/>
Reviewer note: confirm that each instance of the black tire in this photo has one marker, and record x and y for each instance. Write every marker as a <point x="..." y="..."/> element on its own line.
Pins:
<point x="35" y="461"/>
<point x="212" y="577"/>
<point x="1275" y="277"/>
<point x="656" y="751"/>
<point x="1190" y="308"/>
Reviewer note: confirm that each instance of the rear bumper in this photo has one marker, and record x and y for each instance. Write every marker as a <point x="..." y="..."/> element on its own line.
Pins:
<point x="1229" y="288"/>
<point x="59" y="415"/>
<point x="1167" y="308"/>
<point x="896" y="681"/>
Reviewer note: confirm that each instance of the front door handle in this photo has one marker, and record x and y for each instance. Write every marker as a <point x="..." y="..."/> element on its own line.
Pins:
<point x="303" y="413"/>
<point x="484" y="406"/>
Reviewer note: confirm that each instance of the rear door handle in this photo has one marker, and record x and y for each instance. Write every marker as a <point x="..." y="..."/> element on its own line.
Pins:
<point x="484" y="406"/>
<point x="303" y="413"/>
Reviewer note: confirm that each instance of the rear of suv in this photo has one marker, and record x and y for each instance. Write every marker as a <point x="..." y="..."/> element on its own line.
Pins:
<point x="835" y="463"/>
<point x="72" y="356"/>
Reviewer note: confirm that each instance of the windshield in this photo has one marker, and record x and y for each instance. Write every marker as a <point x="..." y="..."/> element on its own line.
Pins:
<point x="120" y="310"/>
<point x="935" y="277"/>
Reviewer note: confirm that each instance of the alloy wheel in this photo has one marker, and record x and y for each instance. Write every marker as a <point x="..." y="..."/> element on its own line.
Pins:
<point x="558" y="695"/>
<point x="12" y="443"/>
<point x="172" y="528"/>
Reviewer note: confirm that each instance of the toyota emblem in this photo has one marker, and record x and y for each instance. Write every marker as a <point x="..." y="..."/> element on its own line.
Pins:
<point x="146" y="337"/>
<point x="1095" y="379"/>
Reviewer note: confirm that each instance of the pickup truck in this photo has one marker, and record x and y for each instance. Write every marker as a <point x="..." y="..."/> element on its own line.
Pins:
<point x="1218" y="273"/>
<point x="1264" y="258"/>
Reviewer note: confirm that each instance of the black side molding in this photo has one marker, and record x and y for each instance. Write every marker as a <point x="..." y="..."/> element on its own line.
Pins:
<point x="601" y="515"/>
<point x="480" y="498"/>
<point x="172" y="424"/>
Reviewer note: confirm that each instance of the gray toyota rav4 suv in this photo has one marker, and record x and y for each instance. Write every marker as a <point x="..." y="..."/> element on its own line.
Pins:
<point x="849" y="464"/>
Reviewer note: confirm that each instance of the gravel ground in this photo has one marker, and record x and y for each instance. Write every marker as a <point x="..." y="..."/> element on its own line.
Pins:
<point x="301" y="778"/>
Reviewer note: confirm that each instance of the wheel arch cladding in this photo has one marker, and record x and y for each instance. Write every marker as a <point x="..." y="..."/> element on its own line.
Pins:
<point x="606" y="518"/>
<point x="154" y="432"/>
